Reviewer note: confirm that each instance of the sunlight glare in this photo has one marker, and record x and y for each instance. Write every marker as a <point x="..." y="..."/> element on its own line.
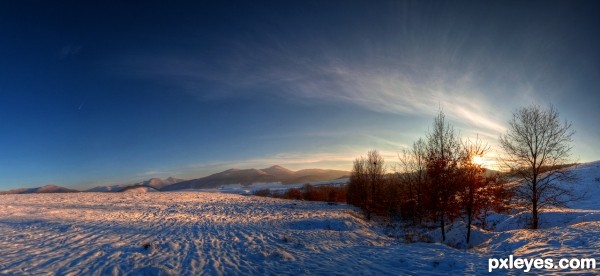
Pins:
<point x="479" y="160"/>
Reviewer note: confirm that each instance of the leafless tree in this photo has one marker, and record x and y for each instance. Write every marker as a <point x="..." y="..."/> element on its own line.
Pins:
<point x="473" y="192"/>
<point x="536" y="147"/>
<point x="443" y="155"/>
<point x="357" y="186"/>
<point x="411" y="174"/>
<point x="376" y="174"/>
<point x="366" y="183"/>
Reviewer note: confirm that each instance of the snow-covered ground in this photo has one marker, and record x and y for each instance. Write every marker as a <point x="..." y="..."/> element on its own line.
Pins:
<point x="276" y="187"/>
<point x="216" y="233"/>
<point x="194" y="232"/>
<point x="572" y="232"/>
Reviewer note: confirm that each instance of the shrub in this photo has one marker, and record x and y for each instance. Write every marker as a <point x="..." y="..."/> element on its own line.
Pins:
<point x="263" y="192"/>
<point x="294" y="193"/>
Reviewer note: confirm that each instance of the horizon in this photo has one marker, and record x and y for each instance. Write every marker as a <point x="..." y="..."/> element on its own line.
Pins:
<point x="134" y="182"/>
<point x="100" y="94"/>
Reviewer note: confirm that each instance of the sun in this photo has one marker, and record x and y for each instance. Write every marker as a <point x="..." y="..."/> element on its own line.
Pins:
<point x="478" y="160"/>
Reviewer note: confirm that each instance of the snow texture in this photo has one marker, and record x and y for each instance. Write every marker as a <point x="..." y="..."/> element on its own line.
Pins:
<point x="196" y="232"/>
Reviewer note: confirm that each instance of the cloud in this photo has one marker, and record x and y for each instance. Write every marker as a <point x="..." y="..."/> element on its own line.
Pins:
<point x="155" y="173"/>
<point x="392" y="92"/>
<point x="384" y="88"/>
<point x="407" y="87"/>
<point x="403" y="61"/>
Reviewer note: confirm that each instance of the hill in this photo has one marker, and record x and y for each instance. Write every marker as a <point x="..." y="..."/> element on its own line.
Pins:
<point x="158" y="183"/>
<point x="41" y="190"/>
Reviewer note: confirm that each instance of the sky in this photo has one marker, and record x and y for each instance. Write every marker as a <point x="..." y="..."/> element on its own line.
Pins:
<point x="106" y="92"/>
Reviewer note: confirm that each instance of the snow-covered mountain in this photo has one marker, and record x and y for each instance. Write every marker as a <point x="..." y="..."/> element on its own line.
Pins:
<point x="158" y="183"/>
<point x="44" y="189"/>
<point x="248" y="176"/>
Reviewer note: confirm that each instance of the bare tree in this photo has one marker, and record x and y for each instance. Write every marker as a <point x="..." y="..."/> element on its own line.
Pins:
<point x="357" y="187"/>
<point x="376" y="175"/>
<point x="536" y="147"/>
<point x="366" y="183"/>
<point x="473" y="192"/>
<point x="443" y="155"/>
<point x="412" y="177"/>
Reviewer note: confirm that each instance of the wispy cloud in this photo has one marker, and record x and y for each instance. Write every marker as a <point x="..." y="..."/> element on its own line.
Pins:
<point x="156" y="173"/>
<point x="372" y="87"/>
<point x="407" y="71"/>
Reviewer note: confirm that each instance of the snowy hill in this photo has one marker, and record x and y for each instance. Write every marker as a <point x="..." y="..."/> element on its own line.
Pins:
<point x="572" y="232"/>
<point x="588" y="183"/>
<point x="587" y="186"/>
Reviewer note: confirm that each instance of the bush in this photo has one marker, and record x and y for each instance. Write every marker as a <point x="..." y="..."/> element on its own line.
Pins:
<point x="263" y="192"/>
<point x="324" y="193"/>
<point x="294" y="193"/>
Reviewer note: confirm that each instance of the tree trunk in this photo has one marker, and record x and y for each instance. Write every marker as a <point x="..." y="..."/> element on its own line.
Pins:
<point x="534" y="203"/>
<point x="470" y="206"/>
<point x="442" y="225"/>
<point x="468" y="229"/>
<point x="534" y="215"/>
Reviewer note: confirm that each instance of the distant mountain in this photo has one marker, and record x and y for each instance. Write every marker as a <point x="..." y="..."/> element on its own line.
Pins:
<point x="40" y="190"/>
<point x="249" y="176"/>
<point x="158" y="183"/>
<point x="113" y="188"/>
<point x="155" y="183"/>
<point x="279" y="171"/>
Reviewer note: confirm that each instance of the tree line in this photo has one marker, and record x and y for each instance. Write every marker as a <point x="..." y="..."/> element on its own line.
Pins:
<point x="439" y="179"/>
<point x="327" y="193"/>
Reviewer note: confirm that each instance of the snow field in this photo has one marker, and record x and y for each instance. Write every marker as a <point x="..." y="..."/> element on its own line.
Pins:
<point x="197" y="233"/>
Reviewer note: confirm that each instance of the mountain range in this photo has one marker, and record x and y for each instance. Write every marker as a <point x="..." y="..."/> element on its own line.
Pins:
<point x="232" y="176"/>
<point x="249" y="176"/>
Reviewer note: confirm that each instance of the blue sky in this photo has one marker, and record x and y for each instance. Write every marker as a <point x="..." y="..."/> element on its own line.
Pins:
<point x="107" y="92"/>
